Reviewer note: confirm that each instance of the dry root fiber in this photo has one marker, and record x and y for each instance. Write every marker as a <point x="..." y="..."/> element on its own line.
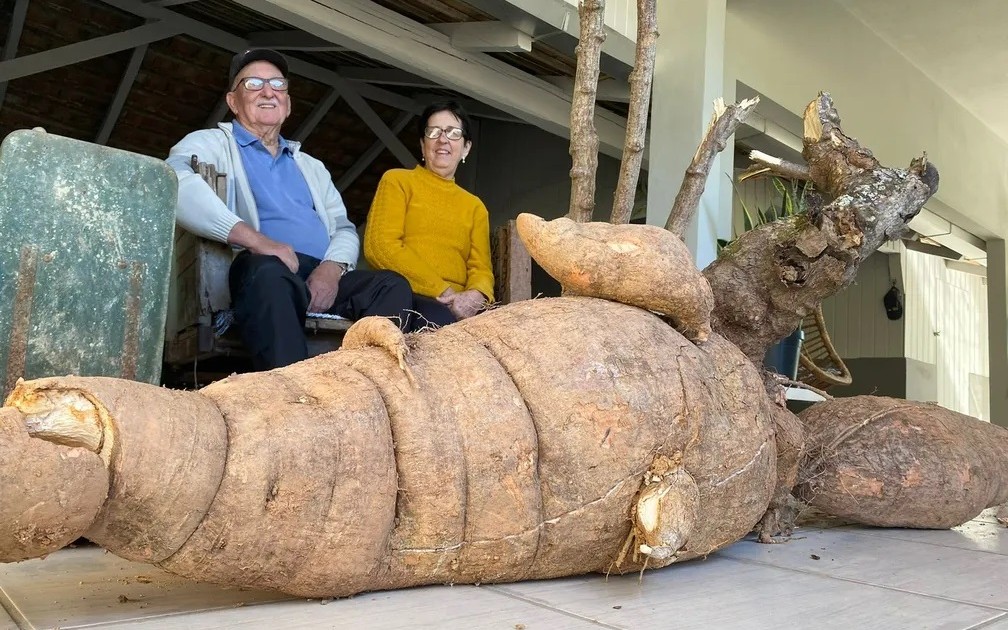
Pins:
<point x="518" y="454"/>
<point x="897" y="463"/>
<point x="606" y="261"/>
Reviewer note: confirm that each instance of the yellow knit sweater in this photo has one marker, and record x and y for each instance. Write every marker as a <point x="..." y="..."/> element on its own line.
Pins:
<point x="431" y="231"/>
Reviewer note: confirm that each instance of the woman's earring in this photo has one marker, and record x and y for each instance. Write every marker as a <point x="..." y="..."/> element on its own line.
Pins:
<point x="463" y="159"/>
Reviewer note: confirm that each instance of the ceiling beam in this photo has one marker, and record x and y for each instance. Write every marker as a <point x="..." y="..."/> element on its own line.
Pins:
<point x="932" y="249"/>
<point x="401" y="78"/>
<point x="125" y="85"/>
<point x="227" y="41"/>
<point x="317" y="114"/>
<point x="82" y="51"/>
<point x="291" y="40"/>
<point x="472" y="107"/>
<point x="556" y="23"/>
<point x="384" y="76"/>
<point x="388" y="37"/>
<point x="485" y="36"/>
<point x="368" y="157"/>
<point x="611" y="90"/>
<point x="13" y="38"/>
<point x="563" y="16"/>
<point x="182" y="24"/>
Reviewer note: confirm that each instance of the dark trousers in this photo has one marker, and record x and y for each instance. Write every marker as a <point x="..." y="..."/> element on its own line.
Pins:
<point x="270" y="303"/>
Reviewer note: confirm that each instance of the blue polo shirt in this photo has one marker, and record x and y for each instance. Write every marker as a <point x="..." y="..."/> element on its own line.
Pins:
<point x="286" y="211"/>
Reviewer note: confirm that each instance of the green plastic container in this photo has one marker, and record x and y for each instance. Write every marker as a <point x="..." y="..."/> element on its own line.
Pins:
<point x="85" y="256"/>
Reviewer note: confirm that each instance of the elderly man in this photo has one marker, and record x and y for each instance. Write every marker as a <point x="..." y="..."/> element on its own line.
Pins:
<point x="297" y="250"/>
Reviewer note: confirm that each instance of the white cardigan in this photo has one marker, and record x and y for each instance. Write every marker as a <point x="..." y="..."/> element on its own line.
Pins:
<point x="200" y="211"/>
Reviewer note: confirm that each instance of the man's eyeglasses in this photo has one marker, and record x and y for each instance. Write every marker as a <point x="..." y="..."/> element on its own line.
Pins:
<point x="452" y="133"/>
<point x="254" y="84"/>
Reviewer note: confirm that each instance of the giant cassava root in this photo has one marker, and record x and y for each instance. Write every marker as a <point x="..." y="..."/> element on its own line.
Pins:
<point x="899" y="463"/>
<point x="541" y="439"/>
<point x="525" y="449"/>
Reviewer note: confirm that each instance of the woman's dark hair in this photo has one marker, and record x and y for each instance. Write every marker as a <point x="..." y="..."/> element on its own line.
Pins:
<point x="446" y="106"/>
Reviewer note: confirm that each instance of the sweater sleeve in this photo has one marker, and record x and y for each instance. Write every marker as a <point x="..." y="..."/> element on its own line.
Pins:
<point x="199" y="209"/>
<point x="480" y="269"/>
<point x="384" y="240"/>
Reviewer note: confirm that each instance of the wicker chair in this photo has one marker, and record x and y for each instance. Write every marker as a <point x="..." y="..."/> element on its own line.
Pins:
<point x="819" y="365"/>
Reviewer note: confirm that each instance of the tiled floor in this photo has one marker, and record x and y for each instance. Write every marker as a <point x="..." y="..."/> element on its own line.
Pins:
<point x="824" y="577"/>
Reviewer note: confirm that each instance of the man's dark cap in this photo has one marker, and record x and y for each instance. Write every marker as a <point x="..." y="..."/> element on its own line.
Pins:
<point x="244" y="58"/>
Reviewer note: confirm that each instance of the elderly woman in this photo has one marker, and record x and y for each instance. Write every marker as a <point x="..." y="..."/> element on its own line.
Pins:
<point x="426" y="227"/>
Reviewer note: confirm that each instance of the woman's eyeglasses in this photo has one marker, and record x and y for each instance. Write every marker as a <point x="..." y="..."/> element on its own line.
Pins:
<point x="452" y="133"/>
<point x="254" y="84"/>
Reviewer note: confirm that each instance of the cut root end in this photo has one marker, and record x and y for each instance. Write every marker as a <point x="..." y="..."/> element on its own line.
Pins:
<point x="664" y="515"/>
<point x="65" y="417"/>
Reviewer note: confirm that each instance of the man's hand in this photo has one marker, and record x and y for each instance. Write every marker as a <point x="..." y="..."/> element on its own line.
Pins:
<point x="243" y="235"/>
<point x="463" y="304"/>
<point x="323" y="284"/>
<point x="283" y="251"/>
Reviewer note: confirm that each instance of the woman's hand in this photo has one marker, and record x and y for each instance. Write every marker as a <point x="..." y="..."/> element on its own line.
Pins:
<point x="463" y="304"/>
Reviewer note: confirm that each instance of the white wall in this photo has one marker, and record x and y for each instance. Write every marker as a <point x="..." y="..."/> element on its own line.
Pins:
<point x="792" y="49"/>
<point x="946" y="326"/>
<point x="856" y="318"/>
<point x="943" y="332"/>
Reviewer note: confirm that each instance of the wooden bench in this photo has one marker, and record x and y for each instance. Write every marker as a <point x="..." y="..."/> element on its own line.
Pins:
<point x="512" y="265"/>
<point x="199" y="305"/>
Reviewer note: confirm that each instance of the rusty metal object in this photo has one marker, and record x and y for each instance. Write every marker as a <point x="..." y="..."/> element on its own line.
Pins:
<point x="91" y="297"/>
<point x="20" y="317"/>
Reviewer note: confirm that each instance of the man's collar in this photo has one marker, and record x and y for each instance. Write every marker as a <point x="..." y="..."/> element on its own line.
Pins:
<point x="244" y="137"/>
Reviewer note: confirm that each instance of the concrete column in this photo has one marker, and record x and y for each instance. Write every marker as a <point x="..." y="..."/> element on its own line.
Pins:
<point x="689" y="75"/>
<point x="997" y="327"/>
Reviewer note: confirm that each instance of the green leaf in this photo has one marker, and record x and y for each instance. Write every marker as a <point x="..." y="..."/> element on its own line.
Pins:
<point x="801" y="198"/>
<point x="787" y="197"/>
<point x="792" y="203"/>
<point x="747" y="220"/>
